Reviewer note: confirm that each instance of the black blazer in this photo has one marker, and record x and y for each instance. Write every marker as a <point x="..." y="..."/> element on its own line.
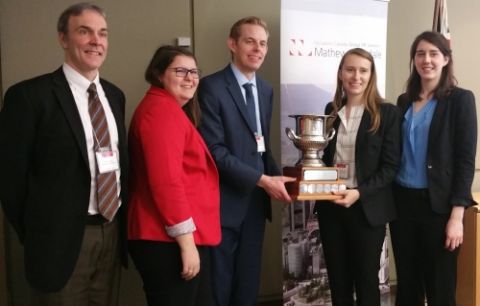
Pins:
<point x="230" y="138"/>
<point x="377" y="157"/>
<point x="452" y="144"/>
<point x="45" y="176"/>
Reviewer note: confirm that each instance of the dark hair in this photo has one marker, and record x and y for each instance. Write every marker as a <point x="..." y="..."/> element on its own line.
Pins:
<point x="159" y="63"/>
<point x="447" y="79"/>
<point x="235" y="29"/>
<point x="371" y="94"/>
<point x="76" y="10"/>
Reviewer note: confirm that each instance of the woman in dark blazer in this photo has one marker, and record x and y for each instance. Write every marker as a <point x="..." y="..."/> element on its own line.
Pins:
<point x="367" y="150"/>
<point x="433" y="185"/>
<point x="174" y="199"/>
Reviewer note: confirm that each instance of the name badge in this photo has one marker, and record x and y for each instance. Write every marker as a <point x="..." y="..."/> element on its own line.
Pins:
<point x="260" y="143"/>
<point x="107" y="160"/>
<point x="342" y="170"/>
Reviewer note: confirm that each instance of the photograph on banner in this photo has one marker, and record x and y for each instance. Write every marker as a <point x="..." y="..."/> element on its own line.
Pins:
<point x="315" y="34"/>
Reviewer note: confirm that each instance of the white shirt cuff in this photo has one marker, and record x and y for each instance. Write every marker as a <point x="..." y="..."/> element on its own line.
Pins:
<point x="184" y="227"/>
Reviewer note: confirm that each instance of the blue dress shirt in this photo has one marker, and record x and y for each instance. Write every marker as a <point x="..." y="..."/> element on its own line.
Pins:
<point x="241" y="79"/>
<point x="415" y="130"/>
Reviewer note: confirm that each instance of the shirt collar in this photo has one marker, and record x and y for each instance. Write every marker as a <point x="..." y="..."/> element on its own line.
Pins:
<point x="354" y="110"/>
<point x="74" y="78"/>
<point x="241" y="78"/>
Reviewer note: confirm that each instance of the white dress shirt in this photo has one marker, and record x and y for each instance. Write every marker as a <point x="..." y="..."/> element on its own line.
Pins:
<point x="79" y="85"/>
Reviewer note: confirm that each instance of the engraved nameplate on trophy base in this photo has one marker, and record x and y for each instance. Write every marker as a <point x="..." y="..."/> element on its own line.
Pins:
<point x="313" y="183"/>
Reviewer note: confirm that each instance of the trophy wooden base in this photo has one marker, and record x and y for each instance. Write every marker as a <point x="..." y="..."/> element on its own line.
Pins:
<point x="313" y="183"/>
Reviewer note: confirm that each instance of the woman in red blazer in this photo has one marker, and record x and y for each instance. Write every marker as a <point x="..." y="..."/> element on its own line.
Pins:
<point x="173" y="211"/>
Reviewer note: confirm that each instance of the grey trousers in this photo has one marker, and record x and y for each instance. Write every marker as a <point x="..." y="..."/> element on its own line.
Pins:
<point x="95" y="279"/>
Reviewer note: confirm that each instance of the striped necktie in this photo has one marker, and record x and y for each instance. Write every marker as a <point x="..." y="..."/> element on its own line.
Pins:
<point x="107" y="196"/>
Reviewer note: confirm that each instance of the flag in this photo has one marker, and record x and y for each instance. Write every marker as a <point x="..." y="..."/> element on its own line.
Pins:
<point x="440" y="19"/>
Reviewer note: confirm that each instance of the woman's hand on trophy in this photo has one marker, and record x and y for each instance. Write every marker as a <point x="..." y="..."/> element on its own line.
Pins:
<point x="275" y="186"/>
<point x="349" y="197"/>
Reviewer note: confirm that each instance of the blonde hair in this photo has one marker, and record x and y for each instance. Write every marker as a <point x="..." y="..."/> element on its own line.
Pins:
<point x="371" y="95"/>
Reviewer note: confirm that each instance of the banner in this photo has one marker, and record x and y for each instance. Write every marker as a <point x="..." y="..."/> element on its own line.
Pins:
<point x="314" y="36"/>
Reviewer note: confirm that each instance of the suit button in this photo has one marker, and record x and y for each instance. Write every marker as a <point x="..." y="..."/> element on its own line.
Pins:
<point x="429" y="166"/>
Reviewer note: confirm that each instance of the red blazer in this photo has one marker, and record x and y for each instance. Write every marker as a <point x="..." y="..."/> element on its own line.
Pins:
<point x="173" y="176"/>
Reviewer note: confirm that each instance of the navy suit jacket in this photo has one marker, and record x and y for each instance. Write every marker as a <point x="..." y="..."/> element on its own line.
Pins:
<point x="377" y="157"/>
<point x="45" y="176"/>
<point x="452" y="144"/>
<point x="226" y="130"/>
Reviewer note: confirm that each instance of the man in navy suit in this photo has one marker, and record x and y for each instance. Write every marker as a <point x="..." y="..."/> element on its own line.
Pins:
<point x="236" y="111"/>
<point x="52" y="154"/>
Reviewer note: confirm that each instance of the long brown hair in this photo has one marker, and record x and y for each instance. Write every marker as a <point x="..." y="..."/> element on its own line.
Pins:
<point x="159" y="63"/>
<point x="447" y="79"/>
<point x="371" y="95"/>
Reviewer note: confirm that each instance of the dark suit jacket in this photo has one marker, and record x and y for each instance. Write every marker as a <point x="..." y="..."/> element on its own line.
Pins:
<point x="225" y="128"/>
<point x="45" y="177"/>
<point x="452" y="144"/>
<point x="377" y="157"/>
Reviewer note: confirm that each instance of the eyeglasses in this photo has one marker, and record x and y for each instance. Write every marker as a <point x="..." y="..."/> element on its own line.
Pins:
<point x="183" y="72"/>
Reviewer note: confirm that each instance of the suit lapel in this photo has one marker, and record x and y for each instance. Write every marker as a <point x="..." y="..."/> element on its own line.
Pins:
<point x="437" y="121"/>
<point x="263" y="101"/>
<point x="115" y="106"/>
<point x="210" y="159"/>
<point x="332" y="145"/>
<point x="362" y="129"/>
<point x="67" y="103"/>
<point x="360" y="149"/>
<point x="237" y="96"/>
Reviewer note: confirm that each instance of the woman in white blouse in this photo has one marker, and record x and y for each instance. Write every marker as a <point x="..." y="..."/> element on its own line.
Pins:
<point x="366" y="149"/>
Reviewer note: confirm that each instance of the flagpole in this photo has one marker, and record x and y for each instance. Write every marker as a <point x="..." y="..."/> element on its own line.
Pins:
<point x="440" y="19"/>
<point x="436" y="16"/>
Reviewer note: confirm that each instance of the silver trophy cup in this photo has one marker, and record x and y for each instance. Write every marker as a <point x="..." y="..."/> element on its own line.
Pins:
<point x="310" y="137"/>
<point x="314" y="181"/>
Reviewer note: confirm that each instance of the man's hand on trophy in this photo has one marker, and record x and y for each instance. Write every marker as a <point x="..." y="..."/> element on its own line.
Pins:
<point x="275" y="186"/>
<point x="350" y="196"/>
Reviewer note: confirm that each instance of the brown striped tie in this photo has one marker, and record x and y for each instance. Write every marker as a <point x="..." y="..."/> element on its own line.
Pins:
<point x="107" y="197"/>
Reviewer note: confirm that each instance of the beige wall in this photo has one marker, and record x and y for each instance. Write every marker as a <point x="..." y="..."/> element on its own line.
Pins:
<point x="29" y="47"/>
<point x="3" y="268"/>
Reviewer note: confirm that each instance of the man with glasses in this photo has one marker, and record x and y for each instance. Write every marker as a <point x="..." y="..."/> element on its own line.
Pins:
<point x="63" y="163"/>
<point x="236" y="110"/>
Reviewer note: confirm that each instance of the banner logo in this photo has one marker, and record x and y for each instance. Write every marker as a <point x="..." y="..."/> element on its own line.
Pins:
<point x="299" y="48"/>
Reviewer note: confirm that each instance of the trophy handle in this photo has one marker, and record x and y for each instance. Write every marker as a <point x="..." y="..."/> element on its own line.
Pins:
<point x="332" y="134"/>
<point x="291" y="134"/>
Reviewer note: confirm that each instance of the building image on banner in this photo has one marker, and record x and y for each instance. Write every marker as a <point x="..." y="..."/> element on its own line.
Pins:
<point x="314" y="36"/>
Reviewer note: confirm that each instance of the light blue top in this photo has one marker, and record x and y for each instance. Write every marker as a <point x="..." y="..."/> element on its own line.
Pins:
<point x="242" y="79"/>
<point x="415" y="130"/>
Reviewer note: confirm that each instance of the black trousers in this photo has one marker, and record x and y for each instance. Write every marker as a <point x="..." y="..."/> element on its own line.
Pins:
<point x="423" y="264"/>
<point x="160" y="265"/>
<point x="352" y="249"/>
